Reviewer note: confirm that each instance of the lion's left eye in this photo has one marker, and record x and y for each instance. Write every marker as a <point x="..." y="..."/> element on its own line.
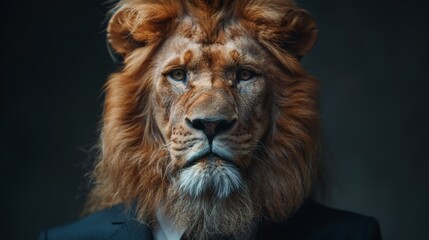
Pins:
<point x="178" y="74"/>
<point x="244" y="75"/>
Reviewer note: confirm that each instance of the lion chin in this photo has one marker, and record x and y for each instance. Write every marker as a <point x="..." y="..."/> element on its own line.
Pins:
<point x="210" y="176"/>
<point x="212" y="117"/>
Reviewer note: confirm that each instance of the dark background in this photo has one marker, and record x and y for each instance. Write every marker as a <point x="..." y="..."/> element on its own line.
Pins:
<point x="371" y="59"/>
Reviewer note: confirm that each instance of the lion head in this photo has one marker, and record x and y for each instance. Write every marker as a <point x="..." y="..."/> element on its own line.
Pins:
<point x="212" y="119"/>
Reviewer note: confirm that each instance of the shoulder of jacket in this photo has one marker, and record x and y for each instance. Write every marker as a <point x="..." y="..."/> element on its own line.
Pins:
<point x="111" y="223"/>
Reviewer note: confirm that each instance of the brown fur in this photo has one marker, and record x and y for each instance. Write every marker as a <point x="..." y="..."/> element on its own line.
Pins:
<point x="132" y="165"/>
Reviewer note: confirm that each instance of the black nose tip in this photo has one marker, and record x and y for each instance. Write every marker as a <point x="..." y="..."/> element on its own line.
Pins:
<point x="211" y="128"/>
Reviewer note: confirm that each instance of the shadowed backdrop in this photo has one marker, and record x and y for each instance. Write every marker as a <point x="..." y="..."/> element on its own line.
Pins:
<point x="371" y="59"/>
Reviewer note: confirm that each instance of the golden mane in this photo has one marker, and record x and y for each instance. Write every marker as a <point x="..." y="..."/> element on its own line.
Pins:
<point x="132" y="166"/>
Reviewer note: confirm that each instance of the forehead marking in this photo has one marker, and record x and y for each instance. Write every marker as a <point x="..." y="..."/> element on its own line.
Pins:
<point x="188" y="57"/>
<point x="235" y="56"/>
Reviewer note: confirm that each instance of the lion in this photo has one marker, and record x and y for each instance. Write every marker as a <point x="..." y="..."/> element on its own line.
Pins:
<point x="213" y="118"/>
<point x="212" y="123"/>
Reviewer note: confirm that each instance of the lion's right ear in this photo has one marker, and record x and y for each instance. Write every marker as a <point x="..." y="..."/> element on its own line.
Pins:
<point x="138" y="25"/>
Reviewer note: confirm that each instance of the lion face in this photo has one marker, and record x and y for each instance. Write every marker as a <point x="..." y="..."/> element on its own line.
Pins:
<point x="212" y="119"/>
<point x="211" y="108"/>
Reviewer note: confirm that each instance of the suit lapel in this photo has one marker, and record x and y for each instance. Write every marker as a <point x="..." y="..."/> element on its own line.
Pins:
<point x="131" y="230"/>
<point x="125" y="226"/>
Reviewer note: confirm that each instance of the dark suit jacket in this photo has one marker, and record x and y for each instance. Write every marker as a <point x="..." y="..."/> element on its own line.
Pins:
<point x="312" y="221"/>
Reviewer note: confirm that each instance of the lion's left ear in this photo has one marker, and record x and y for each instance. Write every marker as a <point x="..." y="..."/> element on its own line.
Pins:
<point x="299" y="32"/>
<point x="295" y="33"/>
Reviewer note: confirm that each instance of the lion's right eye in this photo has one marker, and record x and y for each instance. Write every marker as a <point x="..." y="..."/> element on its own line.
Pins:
<point x="178" y="74"/>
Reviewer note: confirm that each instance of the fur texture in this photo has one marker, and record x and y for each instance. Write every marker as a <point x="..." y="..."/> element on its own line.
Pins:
<point x="240" y="61"/>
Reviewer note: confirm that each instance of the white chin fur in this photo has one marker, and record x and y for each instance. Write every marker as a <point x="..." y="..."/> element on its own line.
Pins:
<point x="220" y="180"/>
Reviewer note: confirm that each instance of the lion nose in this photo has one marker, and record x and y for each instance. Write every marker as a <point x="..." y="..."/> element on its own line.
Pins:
<point x="211" y="128"/>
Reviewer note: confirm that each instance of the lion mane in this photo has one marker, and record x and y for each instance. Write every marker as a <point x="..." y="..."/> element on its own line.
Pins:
<point x="134" y="163"/>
